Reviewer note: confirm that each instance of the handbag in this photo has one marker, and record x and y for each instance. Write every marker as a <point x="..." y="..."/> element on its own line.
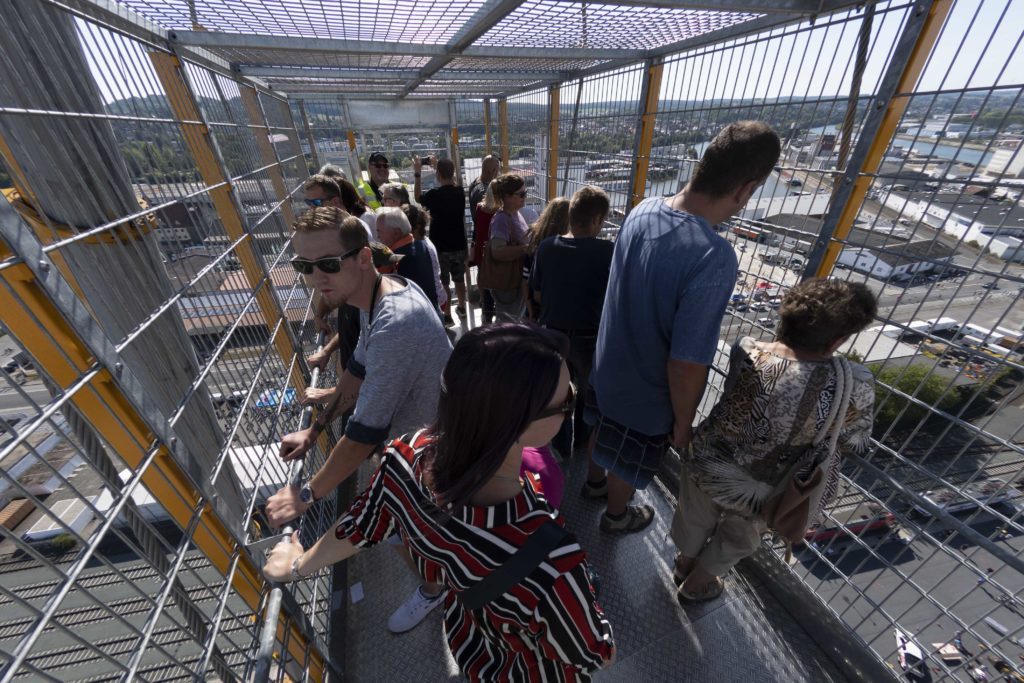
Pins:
<point x="495" y="274"/>
<point x="800" y="497"/>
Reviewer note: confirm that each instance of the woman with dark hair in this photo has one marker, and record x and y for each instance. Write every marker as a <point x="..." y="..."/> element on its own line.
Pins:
<point x="455" y="495"/>
<point x="355" y="205"/>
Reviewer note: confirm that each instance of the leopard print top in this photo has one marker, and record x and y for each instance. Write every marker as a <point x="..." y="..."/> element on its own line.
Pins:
<point x="770" y="411"/>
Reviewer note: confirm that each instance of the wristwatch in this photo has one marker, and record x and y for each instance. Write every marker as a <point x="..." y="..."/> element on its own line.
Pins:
<point x="306" y="494"/>
<point x="295" y="569"/>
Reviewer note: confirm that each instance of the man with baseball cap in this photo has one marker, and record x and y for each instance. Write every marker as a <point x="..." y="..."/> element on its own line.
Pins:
<point x="378" y="168"/>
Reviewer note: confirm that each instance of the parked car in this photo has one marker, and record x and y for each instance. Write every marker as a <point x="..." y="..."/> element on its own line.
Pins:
<point x="989" y="492"/>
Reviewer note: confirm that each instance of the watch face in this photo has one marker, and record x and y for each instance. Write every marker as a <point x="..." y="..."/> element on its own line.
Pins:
<point x="306" y="494"/>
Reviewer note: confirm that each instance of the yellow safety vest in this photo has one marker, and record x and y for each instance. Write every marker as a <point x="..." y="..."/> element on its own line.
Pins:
<point x="368" y="195"/>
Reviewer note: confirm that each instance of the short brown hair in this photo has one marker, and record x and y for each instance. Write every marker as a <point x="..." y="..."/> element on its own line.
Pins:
<point x="506" y="184"/>
<point x="445" y="169"/>
<point x="817" y="312"/>
<point x="328" y="185"/>
<point x="349" y="229"/>
<point x="588" y="203"/>
<point x="741" y="152"/>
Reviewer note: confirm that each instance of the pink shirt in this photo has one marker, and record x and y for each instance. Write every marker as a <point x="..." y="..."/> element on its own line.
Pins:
<point x="543" y="464"/>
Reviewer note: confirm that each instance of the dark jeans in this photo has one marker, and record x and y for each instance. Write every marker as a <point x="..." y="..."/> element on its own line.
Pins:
<point x="574" y="432"/>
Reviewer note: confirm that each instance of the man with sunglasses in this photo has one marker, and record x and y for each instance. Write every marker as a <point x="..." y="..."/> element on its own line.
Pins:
<point x="321" y="190"/>
<point x="393" y="380"/>
<point x="379" y="170"/>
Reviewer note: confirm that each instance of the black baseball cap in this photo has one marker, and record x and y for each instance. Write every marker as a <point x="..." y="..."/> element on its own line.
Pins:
<point x="377" y="156"/>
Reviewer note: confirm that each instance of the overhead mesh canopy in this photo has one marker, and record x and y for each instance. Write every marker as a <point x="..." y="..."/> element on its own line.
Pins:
<point x="445" y="49"/>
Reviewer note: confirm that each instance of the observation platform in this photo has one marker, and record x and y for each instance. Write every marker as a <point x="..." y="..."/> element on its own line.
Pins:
<point x="153" y="157"/>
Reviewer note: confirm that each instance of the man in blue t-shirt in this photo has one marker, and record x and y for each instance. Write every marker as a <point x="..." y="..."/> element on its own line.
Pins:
<point x="671" y="277"/>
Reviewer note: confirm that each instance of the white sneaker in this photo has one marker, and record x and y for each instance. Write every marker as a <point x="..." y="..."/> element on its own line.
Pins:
<point x="414" y="610"/>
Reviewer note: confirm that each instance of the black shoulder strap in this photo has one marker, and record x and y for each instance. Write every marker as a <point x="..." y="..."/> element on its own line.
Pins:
<point x="516" y="568"/>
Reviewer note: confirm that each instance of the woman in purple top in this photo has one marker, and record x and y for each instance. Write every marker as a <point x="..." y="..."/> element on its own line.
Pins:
<point x="507" y="241"/>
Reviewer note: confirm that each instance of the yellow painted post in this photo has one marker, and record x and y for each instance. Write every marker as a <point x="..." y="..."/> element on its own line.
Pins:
<point x="487" y="126"/>
<point x="456" y="154"/>
<point x="503" y="134"/>
<point x="353" y="157"/>
<point x="652" y="87"/>
<point x="31" y="317"/>
<point x="897" y="106"/>
<point x="554" y="120"/>
<point x="197" y="139"/>
<point x="269" y="158"/>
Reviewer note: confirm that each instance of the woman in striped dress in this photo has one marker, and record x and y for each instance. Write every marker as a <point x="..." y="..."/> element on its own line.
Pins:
<point x="454" y="494"/>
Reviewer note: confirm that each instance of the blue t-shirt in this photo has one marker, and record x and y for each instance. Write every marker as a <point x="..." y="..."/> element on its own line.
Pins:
<point x="670" y="280"/>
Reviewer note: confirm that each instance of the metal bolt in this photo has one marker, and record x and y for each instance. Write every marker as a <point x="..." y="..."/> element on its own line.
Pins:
<point x="44" y="266"/>
<point x="118" y="367"/>
<point x="174" y="441"/>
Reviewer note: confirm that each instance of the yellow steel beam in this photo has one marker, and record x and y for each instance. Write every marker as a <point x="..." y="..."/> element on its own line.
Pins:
<point x="647" y="120"/>
<point x="503" y="134"/>
<point x="261" y="130"/>
<point x="32" y="318"/>
<point x="554" y="119"/>
<point x="200" y="146"/>
<point x="487" y="126"/>
<point x="883" y="135"/>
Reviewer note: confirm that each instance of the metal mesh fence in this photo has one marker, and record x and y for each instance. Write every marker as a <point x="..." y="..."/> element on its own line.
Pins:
<point x="153" y="334"/>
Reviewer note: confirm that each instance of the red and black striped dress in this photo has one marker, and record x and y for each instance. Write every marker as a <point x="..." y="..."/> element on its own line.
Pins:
<point x="547" y="628"/>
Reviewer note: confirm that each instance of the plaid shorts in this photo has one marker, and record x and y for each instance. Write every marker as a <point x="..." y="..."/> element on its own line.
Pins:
<point x="626" y="453"/>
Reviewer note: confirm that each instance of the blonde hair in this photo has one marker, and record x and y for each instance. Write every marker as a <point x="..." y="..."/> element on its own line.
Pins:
<point x="490" y="204"/>
<point x="554" y="220"/>
<point x="394" y="217"/>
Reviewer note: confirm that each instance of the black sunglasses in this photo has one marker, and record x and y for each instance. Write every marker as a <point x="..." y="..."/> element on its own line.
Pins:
<point x="521" y="194"/>
<point x="328" y="264"/>
<point x="565" y="408"/>
<point x="317" y="203"/>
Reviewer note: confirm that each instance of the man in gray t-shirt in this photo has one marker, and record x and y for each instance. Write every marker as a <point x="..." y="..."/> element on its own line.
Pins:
<point x="393" y="380"/>
<point x="400" y="357"/>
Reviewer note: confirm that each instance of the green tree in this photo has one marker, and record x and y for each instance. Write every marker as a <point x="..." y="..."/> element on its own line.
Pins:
<point x="915" y="381"/>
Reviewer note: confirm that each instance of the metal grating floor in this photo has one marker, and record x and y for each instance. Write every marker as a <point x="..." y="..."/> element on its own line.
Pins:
<point x="744" y="636"/>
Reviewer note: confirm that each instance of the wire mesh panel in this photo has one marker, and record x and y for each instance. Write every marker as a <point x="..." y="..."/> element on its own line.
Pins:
<point x="932" y="514"/>
<point x="598" y="127"/>
<point x="921" y="545"/>
<point x="151" y="328"/>
<point x="529" y="146"/>
<point x="474" y="126"/>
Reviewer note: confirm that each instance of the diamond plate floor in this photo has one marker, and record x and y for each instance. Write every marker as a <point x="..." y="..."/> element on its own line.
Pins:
<point x="744" y="636"/>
